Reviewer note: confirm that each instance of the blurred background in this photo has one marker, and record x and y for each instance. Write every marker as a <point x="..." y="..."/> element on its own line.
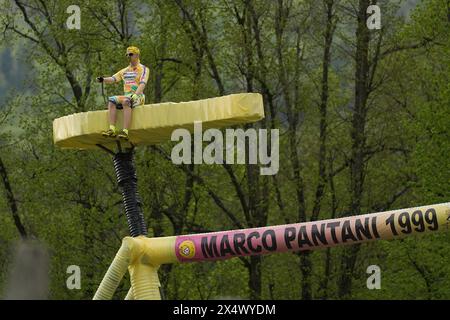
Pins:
<point x="363" y="118"/>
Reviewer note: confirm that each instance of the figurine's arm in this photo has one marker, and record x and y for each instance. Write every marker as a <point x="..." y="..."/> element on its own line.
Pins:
<point x="106" y="79"/>
<point x="117" y="77"/>
<point x="141" y="88"/>
<point x="109" y="80"/>
<point x="143" y="81"/>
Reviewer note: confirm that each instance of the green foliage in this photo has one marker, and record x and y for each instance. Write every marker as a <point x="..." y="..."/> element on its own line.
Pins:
<point x="69" y="199"/>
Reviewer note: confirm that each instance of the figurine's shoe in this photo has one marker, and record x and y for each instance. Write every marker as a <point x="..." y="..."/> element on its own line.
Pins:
<point x="109" y="133"/>
<point x="123" y="135"/>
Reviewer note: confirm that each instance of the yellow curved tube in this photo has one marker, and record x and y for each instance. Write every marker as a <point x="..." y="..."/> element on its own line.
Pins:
<point x="130" y="295"/>
<point x="142" y="257"/>
<point x="144" y="281"/>
<point x="117" y="269"/>
<point x="160" y="250"/>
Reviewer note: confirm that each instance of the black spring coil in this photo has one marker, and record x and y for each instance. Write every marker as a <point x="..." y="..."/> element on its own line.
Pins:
<point x="127" y="180"/>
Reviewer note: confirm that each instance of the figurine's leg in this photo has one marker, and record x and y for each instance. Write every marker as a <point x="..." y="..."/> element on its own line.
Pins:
<point x="112" y="107"/>
<point x="112" y="113"/>
<point x="126" y="114"/>
<point x="114" y="104"/>
<point x="126" y="104"/>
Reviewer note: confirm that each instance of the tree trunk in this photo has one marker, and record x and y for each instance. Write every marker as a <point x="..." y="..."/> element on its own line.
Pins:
<point x="325" y="282"/>
<point x="358" y="138"/>
<point x="322" y="177"/>
<point x="254" y="282"/>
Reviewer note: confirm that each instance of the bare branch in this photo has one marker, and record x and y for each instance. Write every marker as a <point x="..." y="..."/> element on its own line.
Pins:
<point x="425" y="41"/>
<point x="210" y="192"/>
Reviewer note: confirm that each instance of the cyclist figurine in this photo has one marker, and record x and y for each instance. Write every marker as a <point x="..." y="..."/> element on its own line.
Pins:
<point x="134" y="77"/>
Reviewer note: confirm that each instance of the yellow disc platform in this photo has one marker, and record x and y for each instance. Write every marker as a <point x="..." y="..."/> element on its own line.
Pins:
<point x="154" y="123"/>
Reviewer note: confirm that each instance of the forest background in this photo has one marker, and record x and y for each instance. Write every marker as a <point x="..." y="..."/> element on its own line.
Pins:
<point x="363" y="116"/>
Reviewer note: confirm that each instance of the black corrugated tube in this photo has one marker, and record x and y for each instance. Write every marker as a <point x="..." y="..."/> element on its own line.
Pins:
<point x="127" y="180"/>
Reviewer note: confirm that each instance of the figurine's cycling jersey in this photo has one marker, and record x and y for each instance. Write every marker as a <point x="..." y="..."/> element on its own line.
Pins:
<point x="132" y="77"/>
